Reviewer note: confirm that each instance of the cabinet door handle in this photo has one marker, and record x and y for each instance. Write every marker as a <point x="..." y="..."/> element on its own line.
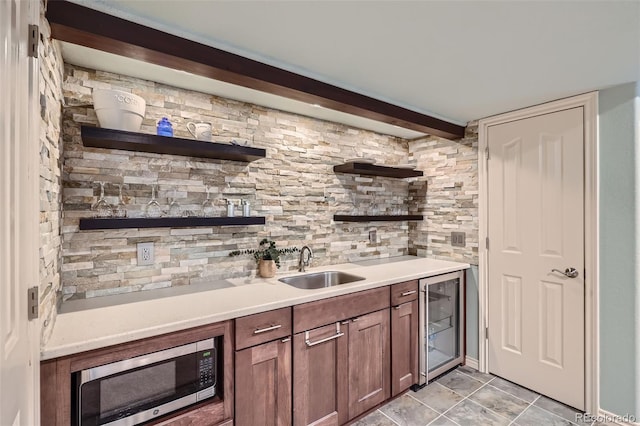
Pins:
<point x="263" y="330"/>
<point x="326" y="339"/>
<point x="407" y="293"/>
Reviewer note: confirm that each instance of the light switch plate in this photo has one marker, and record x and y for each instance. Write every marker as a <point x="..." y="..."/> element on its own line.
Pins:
<point x="458" y="239"/>
<point x="146" y="255"/>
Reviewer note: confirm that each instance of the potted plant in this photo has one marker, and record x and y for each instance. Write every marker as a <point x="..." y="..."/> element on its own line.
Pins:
<point x="267" y="256"/>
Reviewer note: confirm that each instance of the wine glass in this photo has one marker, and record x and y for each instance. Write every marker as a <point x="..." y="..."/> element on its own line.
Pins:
<point x="120" y="209"/>
<point x="174" y="208"/>
<point x="375" y="210"/>
<point x="354" y="204"/>
<point x="207" y="206"/>
<point x="102" y="208"/>
<point x="153" y="207"/>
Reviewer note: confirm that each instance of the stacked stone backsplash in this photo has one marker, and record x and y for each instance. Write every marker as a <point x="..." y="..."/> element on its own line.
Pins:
<point x="50" y="84"/>
<point x="447" y="196"/>
<point x="294" y="187"/>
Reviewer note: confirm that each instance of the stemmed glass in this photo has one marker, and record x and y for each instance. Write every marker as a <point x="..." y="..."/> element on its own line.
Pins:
<point x="153" y="207"/>
<point x="102" y="208"/>
<point x="207" y="206"/>
<point x="174" y="208"/>
<point x="375" y="210"/>
<point x="120" y="209"/>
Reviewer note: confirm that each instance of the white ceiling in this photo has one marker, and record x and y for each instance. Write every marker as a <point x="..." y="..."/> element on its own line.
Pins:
<point x="456" y="60"/>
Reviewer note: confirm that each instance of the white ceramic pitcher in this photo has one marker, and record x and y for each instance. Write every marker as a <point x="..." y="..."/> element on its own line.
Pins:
<point x="201" y="131"/>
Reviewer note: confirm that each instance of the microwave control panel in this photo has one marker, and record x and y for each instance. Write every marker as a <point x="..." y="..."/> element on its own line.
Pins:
<point x="206" y="368"/>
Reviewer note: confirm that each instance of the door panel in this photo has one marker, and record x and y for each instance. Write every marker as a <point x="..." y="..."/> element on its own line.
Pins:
<point x="404" y="346"/>
<point x="19" y="239"/>
<point x="320" y="376"/>
<point x="369" y="362"/>
<point x="263" y="384"/>
<point x="535" y="224"/>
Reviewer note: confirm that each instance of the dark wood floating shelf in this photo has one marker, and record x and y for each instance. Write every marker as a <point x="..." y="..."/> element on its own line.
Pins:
<point x="168" y="222"/>
<point x="375" y="170"/>
<point x="97" y="137"/>
<point x="379" y="218"/>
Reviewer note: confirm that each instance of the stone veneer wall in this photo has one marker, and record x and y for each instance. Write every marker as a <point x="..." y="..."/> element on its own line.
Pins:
<point x="51" y="69"/>
<point x="447" y="195"/>
<point x="294" y="187"/>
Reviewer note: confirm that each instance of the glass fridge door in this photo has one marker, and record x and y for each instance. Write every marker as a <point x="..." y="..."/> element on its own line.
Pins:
<point x="442" y="325"/>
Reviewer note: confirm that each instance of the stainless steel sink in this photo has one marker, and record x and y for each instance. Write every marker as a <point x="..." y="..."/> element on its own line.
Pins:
<point x="320" y="279"/>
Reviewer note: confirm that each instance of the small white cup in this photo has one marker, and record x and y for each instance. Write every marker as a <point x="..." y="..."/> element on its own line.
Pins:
<point x="201" y="131"/>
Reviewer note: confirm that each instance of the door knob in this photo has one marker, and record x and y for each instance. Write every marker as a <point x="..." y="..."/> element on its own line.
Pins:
<point x="569" y="272"/>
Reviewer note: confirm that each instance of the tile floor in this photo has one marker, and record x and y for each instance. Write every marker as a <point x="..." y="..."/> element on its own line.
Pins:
<point x="465" y="397"/>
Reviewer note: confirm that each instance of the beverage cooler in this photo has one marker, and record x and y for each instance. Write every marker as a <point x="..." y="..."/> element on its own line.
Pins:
<point x="441" y="320"/>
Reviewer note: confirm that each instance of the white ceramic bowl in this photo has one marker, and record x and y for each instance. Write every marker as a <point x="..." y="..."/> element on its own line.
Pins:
<point x="119" y="110"/>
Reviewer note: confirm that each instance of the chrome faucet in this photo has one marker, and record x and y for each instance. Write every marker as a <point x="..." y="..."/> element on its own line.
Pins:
<point x="302" y="263"/>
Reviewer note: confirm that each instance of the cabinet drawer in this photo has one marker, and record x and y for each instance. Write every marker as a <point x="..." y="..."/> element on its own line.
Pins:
<point x="404" y="292"/>
<point x="315" y="314"/>
<point x="263" y="327"/>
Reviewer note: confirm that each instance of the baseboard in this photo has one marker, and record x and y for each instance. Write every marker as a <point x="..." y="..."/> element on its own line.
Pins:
<point x="471" y="362"/>
<point x="607" y="417"/>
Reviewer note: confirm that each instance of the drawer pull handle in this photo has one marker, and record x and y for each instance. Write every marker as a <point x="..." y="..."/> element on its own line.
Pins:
<point x="326" y="339"/>
<point x="285" y="340"/>
<point x="406" y="293"/>
<point x="263" y="330"/>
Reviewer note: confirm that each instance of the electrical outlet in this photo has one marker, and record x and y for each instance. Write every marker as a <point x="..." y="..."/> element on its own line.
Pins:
<point x="145" y="254"/>
<point x="373" y="236"/>
<point x="458" y="239"/>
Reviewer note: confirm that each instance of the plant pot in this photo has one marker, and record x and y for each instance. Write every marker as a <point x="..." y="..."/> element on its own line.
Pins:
<point x="267" y="268"/>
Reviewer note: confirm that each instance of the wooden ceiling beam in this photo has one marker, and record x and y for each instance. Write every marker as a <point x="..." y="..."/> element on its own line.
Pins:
<point x="80" y="25"/>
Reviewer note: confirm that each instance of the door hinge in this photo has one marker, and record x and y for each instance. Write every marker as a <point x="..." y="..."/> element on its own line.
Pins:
<point x="486" y="152"/>
<point x="33" y="301"/>
<point x="486" y="243"/>
<point x="34" y="40"/>
<point x="486" y="333"/>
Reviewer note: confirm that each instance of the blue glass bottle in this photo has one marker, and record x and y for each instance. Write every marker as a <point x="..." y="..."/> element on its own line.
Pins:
<point x="164" y="127"/>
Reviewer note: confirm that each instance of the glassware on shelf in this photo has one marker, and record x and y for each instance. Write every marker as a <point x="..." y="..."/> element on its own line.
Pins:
<point x="120" y="209"/>
<point x="153" y="207"/>
<point x="175" y="210"/>
<point x="208" y="209"/>
<point x="375" y="210"/>
<point x="354" y="203"/>
<point x="102" y="208"/>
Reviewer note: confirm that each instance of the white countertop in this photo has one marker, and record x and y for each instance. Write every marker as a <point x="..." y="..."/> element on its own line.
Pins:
<point x="87" y="329"/>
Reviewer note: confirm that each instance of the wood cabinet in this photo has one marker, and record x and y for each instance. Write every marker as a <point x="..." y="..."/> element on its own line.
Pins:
<point x="369" y="362"/>
<point x="320" y="381"/>
<point x="341" y="369"/>
<point x="56" y="377"/>
<point x="263" y="369"/>
<point x="263" y="384"/>
<point x="404" y="336"/>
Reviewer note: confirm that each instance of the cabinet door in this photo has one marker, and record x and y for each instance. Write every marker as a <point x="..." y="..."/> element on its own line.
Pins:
<point x="404" y="346"/>
<point x="369" y="362"/>
<point x="263" y="384"/>
<point x="320" y="376"/>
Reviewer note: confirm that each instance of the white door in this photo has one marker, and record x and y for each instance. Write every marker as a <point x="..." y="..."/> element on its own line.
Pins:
<point x="535" y="225"/>
<point x="19" y="236"/>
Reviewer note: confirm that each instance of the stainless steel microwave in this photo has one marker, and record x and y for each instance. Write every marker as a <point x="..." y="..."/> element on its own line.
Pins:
<point x="136" y="390"/>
